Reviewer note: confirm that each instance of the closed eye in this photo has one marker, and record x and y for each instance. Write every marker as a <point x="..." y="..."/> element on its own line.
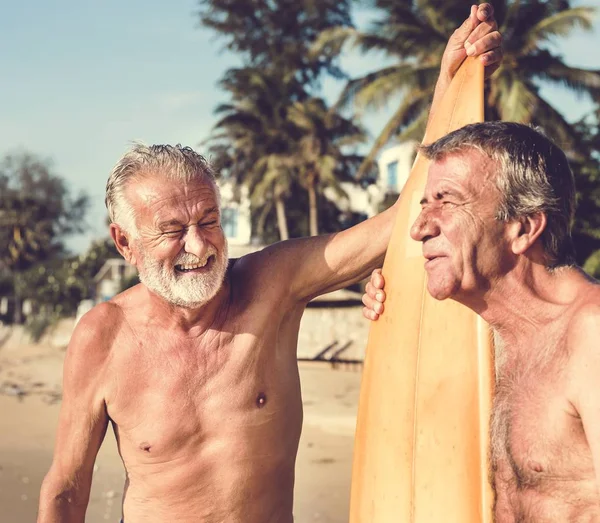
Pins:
<point x="173" y="233"/>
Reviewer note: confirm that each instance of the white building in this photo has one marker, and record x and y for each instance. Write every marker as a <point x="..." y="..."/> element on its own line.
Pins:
<point x="235" y="219"/>
<point x="395" y="164"/>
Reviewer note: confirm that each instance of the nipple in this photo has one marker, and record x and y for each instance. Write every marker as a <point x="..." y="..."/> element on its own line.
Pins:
<point x="145" y="446"/>
<point x="261" y="400"/>
<point x="536" y="467"/>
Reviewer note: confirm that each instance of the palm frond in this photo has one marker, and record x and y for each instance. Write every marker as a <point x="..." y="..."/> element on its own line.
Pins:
<point x="547" y="67"/>
<point x="411" y="107"/>
<point x="558" y="24"/>
<point x="332" y="40"/>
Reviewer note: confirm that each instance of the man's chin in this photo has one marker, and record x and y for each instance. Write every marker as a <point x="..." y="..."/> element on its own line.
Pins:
<point x="439" y="292"/>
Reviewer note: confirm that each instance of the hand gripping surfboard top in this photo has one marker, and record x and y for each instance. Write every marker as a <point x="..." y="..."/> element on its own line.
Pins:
<point x="422" y="434"/>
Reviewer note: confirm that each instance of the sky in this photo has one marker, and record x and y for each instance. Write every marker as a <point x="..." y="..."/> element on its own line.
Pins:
<point x="81" y="80"/>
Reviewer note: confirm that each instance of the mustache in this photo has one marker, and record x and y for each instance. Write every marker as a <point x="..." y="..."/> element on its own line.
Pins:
<point x="187" y="258"/>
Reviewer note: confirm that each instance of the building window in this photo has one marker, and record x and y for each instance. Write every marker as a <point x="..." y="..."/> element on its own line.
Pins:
<point x="392" y="175"/>
<point x="229" y="221"/>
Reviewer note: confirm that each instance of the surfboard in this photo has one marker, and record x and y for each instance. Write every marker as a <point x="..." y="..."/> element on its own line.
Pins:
<point x="422" y="434"/>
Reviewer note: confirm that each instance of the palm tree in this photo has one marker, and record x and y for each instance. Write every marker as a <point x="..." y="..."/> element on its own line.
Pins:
<point x="36" y="213"/>
<point x="414" y="33"/>
<point x="323" y="156"/>
<point x="254" y="143"/>
<point x="272" y="136"/>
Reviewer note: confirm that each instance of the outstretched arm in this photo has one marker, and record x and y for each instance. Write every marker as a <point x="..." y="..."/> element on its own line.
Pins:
<point x="81" y="428"/>
<point x="312" y="266"/>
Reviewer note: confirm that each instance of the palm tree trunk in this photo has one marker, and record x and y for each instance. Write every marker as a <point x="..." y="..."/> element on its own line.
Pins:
<point x="281" y="218"/>
<point x="313" y="211"/>
<point x="18" y="314"/>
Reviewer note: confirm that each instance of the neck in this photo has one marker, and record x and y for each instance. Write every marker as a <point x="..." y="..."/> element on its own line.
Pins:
<point x="190" y="321"/>
<point x="526" y="300"/>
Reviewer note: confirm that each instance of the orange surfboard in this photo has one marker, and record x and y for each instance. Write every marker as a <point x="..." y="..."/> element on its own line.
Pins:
<point x="422" y="435"/>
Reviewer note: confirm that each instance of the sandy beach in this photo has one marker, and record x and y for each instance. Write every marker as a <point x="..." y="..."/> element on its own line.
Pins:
<point x="30" y="377"/>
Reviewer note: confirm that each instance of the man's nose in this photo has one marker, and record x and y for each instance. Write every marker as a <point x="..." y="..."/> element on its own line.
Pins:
<point x="423" y="227"/>
<point x="195" y="241"/>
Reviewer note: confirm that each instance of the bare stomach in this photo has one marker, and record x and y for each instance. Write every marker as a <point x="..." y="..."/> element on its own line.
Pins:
<point x="564" y="501"/>
<point x="219" y="475"/>
<point x="242" y="489"/>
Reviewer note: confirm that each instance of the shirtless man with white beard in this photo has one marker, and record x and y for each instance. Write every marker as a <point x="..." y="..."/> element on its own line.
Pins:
<point x="495" y="227"/>
<point x="196" y="368"/>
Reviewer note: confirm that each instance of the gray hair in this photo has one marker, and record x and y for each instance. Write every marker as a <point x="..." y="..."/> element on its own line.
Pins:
<point x="533" y="177"/>
<point x="172" y="162"/>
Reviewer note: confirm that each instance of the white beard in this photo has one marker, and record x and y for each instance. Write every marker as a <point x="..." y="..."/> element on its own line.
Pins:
<point x="185" y="290"/>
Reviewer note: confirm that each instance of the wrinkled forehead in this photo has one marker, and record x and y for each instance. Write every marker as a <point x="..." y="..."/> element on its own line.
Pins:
<point x="155" y="195"/>
<point x="469" y="171"/>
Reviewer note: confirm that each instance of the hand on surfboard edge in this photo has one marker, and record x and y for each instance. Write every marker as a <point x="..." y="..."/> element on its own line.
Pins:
<point x="374" y="296"/>
<point x="478" y="36"/>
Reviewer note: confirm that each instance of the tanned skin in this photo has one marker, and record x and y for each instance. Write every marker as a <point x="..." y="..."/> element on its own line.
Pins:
<point x="545" y="430"/>
<point x="205" y="403"/>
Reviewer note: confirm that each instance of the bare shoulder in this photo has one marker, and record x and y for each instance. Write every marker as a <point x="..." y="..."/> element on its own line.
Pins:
<point x="584" y="327"/>
<point x="92" y="340"/>
<point x="258" y="274"/>
<point x="264" y="259"/>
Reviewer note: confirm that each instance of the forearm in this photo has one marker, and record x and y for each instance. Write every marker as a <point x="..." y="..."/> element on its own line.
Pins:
<point x="351" y="255"/>
<point x="60" y="504"/>
<point x="440" y="88"/>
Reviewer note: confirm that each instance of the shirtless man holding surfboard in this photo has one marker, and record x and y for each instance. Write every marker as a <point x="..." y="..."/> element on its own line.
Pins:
<point x="495" y="228"/>
<point x="195" y="368"/>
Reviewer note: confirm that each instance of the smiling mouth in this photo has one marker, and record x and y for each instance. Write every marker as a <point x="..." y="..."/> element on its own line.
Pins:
<point x="195" y="267"/>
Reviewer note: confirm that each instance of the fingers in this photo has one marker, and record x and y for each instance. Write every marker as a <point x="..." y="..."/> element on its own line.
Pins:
<point x="485" y="36"/>
<point x="467" y="26"/>
<point x="492" y="60"/>
<point x="374" y="296"/>
<point x="486" y="43"/>
<point x="484" y="12"/>
<point x="370" y="314"/>
<point x="373" y="299"/>
<point x="477" y="36"/>
<point x="377" y="279"/>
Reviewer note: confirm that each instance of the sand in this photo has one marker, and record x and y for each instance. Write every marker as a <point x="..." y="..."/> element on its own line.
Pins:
<point x="30" y="377"/>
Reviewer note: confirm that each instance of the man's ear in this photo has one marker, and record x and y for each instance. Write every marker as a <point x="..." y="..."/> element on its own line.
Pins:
<point x="526" y="232"/>
<point x="122" y="243"/>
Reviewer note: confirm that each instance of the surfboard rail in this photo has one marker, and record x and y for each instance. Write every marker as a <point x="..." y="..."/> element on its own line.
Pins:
<point x="422" y="434"/>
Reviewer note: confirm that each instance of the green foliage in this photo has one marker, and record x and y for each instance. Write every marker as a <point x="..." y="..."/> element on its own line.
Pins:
<point x="36" y="212"/>
<point x="60" y="284"/>
<point x="415" y="33"/>
<point x="586" y="168"/>
<point x="592" y="265"/>
<point x="278" y="145"/>
<point x="275" y="136"/>
<point x="276" y="35"/>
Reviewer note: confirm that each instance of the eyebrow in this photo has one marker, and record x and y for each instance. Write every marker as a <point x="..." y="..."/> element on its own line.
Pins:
<point x="440" y="194"/>
<point x="175" y="223"/>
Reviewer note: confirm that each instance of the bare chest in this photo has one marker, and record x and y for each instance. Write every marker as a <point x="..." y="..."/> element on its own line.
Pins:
<point x="206" y="401"/>
<point x="541" y="463"/>
<point x="535" y="429"/>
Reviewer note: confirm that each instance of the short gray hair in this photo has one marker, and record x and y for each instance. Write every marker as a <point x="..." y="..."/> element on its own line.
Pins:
<point x="533" y="176"/>
<point x="172" y="162"/>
